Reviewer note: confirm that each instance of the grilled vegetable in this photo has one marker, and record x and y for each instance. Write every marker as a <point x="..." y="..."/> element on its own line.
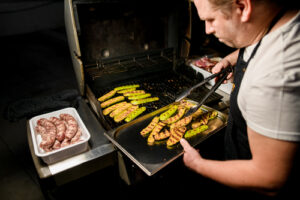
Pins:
<point x="107" y="96"/>
<point x="197" y="113"/>
<point x="205" y="118"/>
<point x="135" y="113"/>
<point x="181" y="111"/>
<point x="125" y="113"/>
<point x="150" y="127"/>
<point x="120" y="109"/>
<point x="127" y="90"/>
<point x="155" y="131"/>
<point x="106" y="111"/>
<point x="176" y="134"/>
<point x="162" y="135"/>
<point x="195" y="131"/>
<point x="168" y="113"/>
<point x="142" y="96"/>
<point x="213" y="115"/>
<point x="183" y="122"/>
<point x="141" y="101"/>
<point x="126" y="87"/>
<point x="112" y="101"/>
<point x="186" y="104"/>
<point x="134" y="93"/>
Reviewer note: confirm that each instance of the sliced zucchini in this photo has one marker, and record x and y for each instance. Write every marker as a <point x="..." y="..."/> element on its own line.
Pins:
<point x="134" y="114"/>
<point x="141" y="101"/>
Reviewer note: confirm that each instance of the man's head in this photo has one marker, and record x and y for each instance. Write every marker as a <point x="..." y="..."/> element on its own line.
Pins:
<point x="236" y="23"/>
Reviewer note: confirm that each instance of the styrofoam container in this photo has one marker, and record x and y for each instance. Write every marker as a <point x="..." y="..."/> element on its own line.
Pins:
<point x="224" y="87"/>
<point x="64" y="152"/>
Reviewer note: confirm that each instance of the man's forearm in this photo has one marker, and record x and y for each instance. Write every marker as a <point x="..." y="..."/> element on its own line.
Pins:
<point x="232" y="58"/>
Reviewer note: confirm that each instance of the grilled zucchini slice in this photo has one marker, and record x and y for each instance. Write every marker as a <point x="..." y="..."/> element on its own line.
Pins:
<point x="195" y="131"/>
<point x="155" y="131"/>
<point x="120" y="109"/>
<point x="142" y="96"/>
<point x="162" y="135"/>
<point x="150" y="127"/>
<point x="108" y="110"/>
<point x="134" y="114"/>
<point x="126" y="90"/>
<point x="168" y="113"/>
<point x="183" y="122"/>
<point x="125" y="113"/>
<point x="126" y="87"/>
<point x="107" y="96"/>
<point x="112" y="101"/>
<point x="134" y="93"/>
<point x="181" y="111"/>
<point x="176" y="134"/>
<point x="141" y="101"/>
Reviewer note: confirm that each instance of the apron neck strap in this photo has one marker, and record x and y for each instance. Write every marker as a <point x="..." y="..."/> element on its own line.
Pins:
<point x="273" y="22"/>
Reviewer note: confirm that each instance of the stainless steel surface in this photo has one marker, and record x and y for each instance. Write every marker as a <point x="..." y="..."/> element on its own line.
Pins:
<point x="99" y="146"/>
<point x="187" y="92"/>
<point x="151" y="159"/>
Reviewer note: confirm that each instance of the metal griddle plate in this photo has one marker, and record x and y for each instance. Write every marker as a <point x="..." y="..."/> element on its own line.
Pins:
<point x="151" y="159"/>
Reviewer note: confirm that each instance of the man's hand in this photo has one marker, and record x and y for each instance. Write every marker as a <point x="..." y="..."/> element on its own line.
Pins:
<point x="221" y="65"/>
<point x="191" y="156"/>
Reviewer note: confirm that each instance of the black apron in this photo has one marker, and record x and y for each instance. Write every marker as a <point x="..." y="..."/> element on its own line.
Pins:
<point x="236" y="137"/>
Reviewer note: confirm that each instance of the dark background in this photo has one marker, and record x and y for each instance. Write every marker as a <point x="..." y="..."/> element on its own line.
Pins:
<point x="36" y="64"/>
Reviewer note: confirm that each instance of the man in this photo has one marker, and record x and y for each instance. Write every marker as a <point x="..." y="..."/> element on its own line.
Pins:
<point x="263" y="132"/>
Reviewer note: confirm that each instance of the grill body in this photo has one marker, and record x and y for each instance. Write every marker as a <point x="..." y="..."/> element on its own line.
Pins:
<point x="124" y="42"/>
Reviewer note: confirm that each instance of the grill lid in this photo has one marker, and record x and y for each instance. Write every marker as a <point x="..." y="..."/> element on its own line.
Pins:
<point x="108" y="29"/>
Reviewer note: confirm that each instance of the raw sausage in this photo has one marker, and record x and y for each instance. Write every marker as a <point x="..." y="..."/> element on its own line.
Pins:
<point x="72" y="125"/>
<point x="60" y="127"/>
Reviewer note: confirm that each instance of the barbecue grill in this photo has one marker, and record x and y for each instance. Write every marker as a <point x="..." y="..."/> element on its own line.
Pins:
<point x="126" y="42"/>
<point x="117" y="43"/>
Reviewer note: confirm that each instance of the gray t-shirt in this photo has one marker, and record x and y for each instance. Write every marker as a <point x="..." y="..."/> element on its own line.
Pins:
<point x="269" y="96"/>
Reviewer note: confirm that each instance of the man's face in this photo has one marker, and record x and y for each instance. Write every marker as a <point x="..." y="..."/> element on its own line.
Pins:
<point x="224" y="27"/>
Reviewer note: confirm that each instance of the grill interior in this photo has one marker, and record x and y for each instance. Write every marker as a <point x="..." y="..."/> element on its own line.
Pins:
<point x="154" y="73"/>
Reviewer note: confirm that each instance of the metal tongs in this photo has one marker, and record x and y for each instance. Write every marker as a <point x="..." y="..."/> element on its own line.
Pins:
<point x="222" y="76"/>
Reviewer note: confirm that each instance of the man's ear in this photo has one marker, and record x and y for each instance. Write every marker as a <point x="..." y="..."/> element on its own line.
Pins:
<point x="244" y="9"/>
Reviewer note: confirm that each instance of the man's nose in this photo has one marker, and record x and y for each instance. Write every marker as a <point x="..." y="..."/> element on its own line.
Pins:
<point x="208" y="28"/>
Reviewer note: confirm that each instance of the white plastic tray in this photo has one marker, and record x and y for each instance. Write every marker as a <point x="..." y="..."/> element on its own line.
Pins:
<point x="224" y="87"/>
<point x="64" y="152"/>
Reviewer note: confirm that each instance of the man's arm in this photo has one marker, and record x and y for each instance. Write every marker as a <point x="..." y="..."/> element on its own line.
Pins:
<point x="266" y="172"/>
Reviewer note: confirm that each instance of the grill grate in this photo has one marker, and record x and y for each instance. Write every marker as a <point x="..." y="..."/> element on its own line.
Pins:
<point x="131" y="63"/>
<point x="165" y="87"/>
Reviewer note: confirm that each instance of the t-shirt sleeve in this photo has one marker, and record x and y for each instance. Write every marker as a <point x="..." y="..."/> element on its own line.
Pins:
<point x="272" y="106"/>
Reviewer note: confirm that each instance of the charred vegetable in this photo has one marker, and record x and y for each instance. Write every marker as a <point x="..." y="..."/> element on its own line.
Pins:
<point x="150" y="127"/>
<point x="168" y="113"/>
<point x="120" y="109"/>
<point x="134" y="114"/>
<point x="162" y="135"/>
<point x="125" y="113"/>
<point x="126" y="90"/>
<point x="126" y="87"/>
<point x="205" y="118"/>
<point x="107" y="96"/>
<point x="155" y="131"/>
<point x="141" y="101"/>
<point x="176" y="134"/>
<point x="181" y="111"/>
<point x="134" y="93"/>
<point x="106" y="111"/>
<point x="142" y="96"/>
<point x="195" y="131"/>
<point x="112" y="101"/>
<point x="183" y="122"/>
